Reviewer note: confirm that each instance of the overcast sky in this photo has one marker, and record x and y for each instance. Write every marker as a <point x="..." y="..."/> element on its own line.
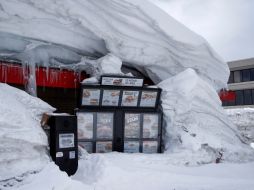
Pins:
<point x="228" y="25"/>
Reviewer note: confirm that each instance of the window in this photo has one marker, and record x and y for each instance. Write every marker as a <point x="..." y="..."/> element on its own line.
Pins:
<point x="252" y="93"/>
<point x="247" y="97"/>
<point x="239" y="97"/>
<point x="245" y="75"/>
<point x="252" y="74"/>
<point x="237" y="76"/>
<point x="231" y="77"/>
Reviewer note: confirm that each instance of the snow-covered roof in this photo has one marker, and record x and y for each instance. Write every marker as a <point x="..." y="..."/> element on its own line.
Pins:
<point x="140" y="34"/>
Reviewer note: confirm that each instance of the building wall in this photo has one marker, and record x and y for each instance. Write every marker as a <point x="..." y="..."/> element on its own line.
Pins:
<point x="241" y="82"/>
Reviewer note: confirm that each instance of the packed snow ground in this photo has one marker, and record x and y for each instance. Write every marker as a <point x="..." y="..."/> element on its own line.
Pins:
<point x="118" y="171"/>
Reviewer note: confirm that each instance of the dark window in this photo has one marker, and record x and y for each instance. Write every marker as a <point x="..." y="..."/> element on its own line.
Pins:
<point x="252" y="74"/>
<point x="245" y="75"/>
<point x="237" y="76"/>
<point x="231" y="77"/>
<point x="247" y="97"/>
<point x="224" y="103"/>
<point x="231" y="103"/>
<point x="252" y="96"/>
<point x="239" y="97"/>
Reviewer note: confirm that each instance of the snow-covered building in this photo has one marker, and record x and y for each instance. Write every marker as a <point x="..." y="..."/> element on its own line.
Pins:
<point x="60" y="88"/>
<point x="101" y="37"/>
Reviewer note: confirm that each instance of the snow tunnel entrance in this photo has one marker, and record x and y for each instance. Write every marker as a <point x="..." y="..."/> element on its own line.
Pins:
<point x="120" y="115"/>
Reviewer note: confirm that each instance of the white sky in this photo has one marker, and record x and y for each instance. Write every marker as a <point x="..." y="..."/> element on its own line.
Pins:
<point x="228" y="25"/>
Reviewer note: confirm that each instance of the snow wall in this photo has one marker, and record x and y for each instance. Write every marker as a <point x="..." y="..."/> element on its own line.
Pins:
<point x="23" y="143"/>
<point x="198" y="131"/>
<point x="78" y="34"/>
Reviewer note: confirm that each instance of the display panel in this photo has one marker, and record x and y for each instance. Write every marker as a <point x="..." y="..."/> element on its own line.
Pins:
<point x="132" y="125"/>
<point x="90" y="97"/>
<point x="88" y="146"/>
<point x="85" y="125"/>
<point x="105" y="123"/>
<point x="103" y="147"/>
<point x="110" y="97"/>
<point x="121" y="81"/>
<point x="66" y="140"/>
<point x="150" y="146"/>
<point x="150" y="125"/>
<point x="131" y="146"/>
<point x="148" y="99"/>
<point x="130" y="98"/>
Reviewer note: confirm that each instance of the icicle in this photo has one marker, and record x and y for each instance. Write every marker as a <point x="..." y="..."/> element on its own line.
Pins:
<point x="31" y="86"/>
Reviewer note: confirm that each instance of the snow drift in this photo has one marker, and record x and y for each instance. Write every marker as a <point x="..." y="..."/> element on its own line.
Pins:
<point x="22" y="141"/>
<point x="143" y="36"/>
<point x="198" y="130"/>
<point x="243" y="118"/>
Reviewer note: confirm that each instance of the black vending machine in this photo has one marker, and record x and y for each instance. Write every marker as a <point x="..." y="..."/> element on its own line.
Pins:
<point x="120" y="114"/>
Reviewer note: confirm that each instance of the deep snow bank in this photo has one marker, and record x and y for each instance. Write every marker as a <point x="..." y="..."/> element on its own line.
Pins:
<point x="51" y="178"/>
<point x="22" y="141"/>
<point x="198" y="130"/>
<point x="243" y="118"/>
<point x="60" y="32"/>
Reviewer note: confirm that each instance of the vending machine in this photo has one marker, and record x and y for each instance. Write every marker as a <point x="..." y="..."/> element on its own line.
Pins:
<point x="120" y="114"/>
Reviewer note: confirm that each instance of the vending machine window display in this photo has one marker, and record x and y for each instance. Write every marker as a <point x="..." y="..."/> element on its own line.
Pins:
<point x="95" y="131"/>
<point x="121" y="115"/>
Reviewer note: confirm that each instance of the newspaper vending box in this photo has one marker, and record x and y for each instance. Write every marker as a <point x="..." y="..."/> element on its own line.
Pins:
<point x="63" y="142"/>
<point x="119" y="114"/>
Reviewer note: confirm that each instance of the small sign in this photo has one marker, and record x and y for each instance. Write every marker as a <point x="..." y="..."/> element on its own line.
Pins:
<point x="91" y="97"/>
<point x="66" y="140"/>
<point x="59" y="154"/>
<point x="132" y="125"/>
<point x="131" y="146"/>
<point x="105" y="125"/>
<point x="150" y="126"/>
<point x="103" y="147"/>
<point x="88" y="146"/>
<point x="122" y="81"/>
<point x="85" y="125"/>
<point x="148" y="99"/>
<point x="150" y="147"/>
<point x="72" y="155"/>
<point x="110" y="97"/>
<point x="130" y="98"/>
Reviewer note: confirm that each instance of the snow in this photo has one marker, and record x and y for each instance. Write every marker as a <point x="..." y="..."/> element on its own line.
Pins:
<point x="117" y="171"/>
<point x="22" y="141"/>
<point x="197" y="128"/>
<point x="99" y="37"/>
<point x="136" y="31"/>
<point x="50" y="178"/>
<point x="243" y="118"/>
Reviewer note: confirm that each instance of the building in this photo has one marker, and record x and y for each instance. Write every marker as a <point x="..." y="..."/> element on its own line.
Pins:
<point x="240" y="85"/>
<point x="58" y="87"/>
